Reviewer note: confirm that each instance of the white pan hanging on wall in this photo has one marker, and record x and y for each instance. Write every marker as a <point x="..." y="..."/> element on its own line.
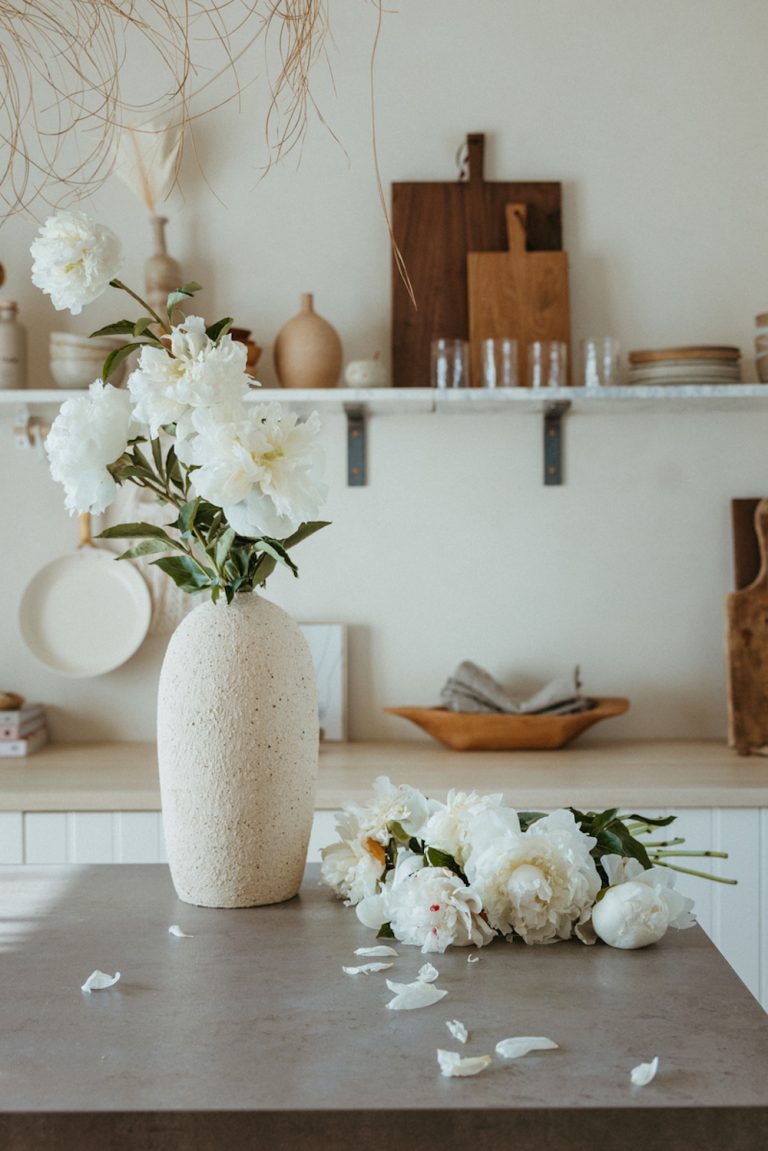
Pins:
<point x="85" y="613"/>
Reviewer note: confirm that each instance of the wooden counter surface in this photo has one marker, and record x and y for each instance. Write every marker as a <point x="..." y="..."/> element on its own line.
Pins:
<point x="248" y="1034"/>
<point x="663" y="774"/>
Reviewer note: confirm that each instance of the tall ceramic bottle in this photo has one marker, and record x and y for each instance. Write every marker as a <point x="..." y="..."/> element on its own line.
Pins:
<point x="307" y="350"/>
<point x="13" y="347"/>
<point x="162" y="274"/>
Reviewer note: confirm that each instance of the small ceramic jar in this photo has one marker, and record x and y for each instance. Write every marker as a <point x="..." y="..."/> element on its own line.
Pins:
<point x="365" y="374"/>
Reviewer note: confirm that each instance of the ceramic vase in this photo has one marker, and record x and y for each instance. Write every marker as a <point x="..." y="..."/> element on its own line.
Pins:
<point x="162" y="274"/>
<point x="237" y="738"/>
<point x="307" y="350"/>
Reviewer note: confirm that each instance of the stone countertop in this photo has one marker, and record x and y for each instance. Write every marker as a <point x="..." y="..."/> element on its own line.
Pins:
<point x="249" y="1033"/>
<point x="660" y="774"/>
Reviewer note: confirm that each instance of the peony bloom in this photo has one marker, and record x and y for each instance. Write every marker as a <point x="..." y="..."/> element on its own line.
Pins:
<point x="540" y="883"/>
<point x="88" y="433"/>
<point x="351" y="870"/>
<point x="448" y="827"/>
<point x="263" y="470"/>
<point x="390" y="804"/>
<point x="428" y="907"/>
<point x="171" y="384"/>
<point x="642" y="903"/>
<point x="74" y="260"/>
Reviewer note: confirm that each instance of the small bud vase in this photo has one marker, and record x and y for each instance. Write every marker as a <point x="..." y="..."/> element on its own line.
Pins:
<point x="307" y="350"/>
<point x="237" y="739"/>
<point x="162" y="274"/>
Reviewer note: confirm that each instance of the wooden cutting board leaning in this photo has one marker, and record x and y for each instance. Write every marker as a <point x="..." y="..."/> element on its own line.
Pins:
<point x="517" y="293"/>
<point x="747" y="654"/>
<point x="434" y="226"/>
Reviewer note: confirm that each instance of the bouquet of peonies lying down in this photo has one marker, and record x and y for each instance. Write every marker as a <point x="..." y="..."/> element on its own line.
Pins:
<point x="471" y="869"/>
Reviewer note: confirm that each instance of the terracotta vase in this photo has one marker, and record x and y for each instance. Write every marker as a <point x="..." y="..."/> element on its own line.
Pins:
<point x="162" y="274"/>
<point x="307" y="350"/>
<point x="237" y="739"/>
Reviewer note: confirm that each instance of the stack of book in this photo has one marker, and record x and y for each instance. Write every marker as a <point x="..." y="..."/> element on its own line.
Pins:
<point x="23" y="730"/>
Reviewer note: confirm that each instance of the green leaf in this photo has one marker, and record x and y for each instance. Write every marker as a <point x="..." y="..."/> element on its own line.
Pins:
<point x="659" y="821"/>
<point x="176" y="298"/>
<point x="437" y="858"/>
<point x="135" y="531"/>
<point x="278" y="553"/>
<point x="385" y="932"/>
<point x="145" y="548"/>
<point x="263" y="569"/>
<point x="528" y="817"/>
<point x="187" y="516"/>
<point x="143" y="325"/>
<point x="119" y="328"/>
<point x="217" y="330"/>
<point x="157" y="455"/>
<point x="191" y="288"/>
<point x="186" y="572"/>
<point x="116" y="357"/>
<point x="223" y="544"/>
<point x="303" y="531"/>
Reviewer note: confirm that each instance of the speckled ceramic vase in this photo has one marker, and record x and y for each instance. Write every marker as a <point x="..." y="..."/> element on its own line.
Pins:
<point x="237" y="738"/>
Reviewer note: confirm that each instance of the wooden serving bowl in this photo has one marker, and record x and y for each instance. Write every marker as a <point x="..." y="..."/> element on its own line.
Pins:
<point x="470" y="731"/>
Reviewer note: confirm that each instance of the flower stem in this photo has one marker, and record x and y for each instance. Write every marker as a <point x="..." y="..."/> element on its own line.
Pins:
<point x="151" y="311"/>
<point x="699" y="874"/>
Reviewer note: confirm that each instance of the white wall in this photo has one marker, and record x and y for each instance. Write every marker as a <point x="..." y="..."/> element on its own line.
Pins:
<point x="653" y="117"/>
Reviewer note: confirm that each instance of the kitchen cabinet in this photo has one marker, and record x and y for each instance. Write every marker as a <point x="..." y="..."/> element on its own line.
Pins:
<point x="100" y="803"/>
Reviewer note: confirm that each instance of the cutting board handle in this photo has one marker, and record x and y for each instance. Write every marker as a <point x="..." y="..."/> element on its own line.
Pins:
<point x="761" y="531"/>
<point x="517" y="221"/>
<point x="475" y="156"/>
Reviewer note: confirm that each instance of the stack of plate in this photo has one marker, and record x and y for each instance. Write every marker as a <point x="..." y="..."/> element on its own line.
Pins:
<point x="708" y="364"/>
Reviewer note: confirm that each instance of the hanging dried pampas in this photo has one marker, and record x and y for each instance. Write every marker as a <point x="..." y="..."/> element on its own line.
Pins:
<point x="62" y="63"/>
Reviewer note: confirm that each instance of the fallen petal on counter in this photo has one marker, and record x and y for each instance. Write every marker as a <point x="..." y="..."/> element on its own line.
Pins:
<point x="452" y="1064"/>
<point x="521" y="1044"/>
<point x="366" y="968"/>
<point x="427" y="973"/>
<point x="99" y="981"/>
<point x="381" y="950"/>
<point x="457" y="1030"/>
<point x="473" y="959"/>
<point x="409" y="996"/>
<point x="174" y="929"/>
<point x="642" y="1075"/>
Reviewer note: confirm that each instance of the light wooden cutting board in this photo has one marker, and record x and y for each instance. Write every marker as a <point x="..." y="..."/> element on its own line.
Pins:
<point x="519" y="294"/>
<point x="747" y="654"/>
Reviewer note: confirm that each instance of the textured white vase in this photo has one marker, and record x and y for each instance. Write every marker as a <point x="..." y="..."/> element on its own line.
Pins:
<point x="237" y="738"/>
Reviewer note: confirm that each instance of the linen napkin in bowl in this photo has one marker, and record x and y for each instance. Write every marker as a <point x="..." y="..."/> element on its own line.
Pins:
<point x="472" y="689"/>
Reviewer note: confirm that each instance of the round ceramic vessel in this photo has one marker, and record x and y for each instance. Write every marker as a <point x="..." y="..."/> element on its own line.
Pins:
<point x="237" y="736"/>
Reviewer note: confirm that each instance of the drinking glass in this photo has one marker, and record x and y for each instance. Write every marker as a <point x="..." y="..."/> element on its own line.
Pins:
<point x="498" y="362"/>
<point x="547" y="364"/>
<point x="599" y="362"/>
<point x="449" y="363"/>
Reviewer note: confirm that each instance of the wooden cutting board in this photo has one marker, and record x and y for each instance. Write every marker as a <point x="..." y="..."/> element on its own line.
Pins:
<point x="435" y="225"/>
<point x="517" y="293"/>
<point x="747" y="654"/>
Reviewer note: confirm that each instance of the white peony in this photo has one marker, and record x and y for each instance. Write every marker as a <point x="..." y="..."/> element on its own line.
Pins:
<point x="428" y="907"/>
<point x="264" y="471"/>
<point x="74" y="260"/>
<point x="351" y="870"/>
<point x="390" y="804"/>
<point x="448" y="827"/>
<point x="89" y="432"/>
<point x="639" y="906"/>
<point x="539" y="883"/>
<point x="170" y="384"/>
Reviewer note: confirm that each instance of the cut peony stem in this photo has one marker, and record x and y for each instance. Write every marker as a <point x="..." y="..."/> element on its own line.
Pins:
<point x="699" y="874"/>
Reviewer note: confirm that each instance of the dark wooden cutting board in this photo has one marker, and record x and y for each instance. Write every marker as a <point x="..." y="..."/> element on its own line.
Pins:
<point x="747" y="653"/>
<point x="434" y="226"/>
<point x="517" y="293"/>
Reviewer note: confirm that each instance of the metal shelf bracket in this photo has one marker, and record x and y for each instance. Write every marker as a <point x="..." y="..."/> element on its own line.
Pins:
<point x="357" y="474"/>
<point x="553" y="441"/>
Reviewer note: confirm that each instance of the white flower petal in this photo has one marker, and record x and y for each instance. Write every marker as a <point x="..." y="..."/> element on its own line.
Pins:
<point x="99" y="980"/>
<point x="427" y="973"/>
<point x="366" y="968"/>
<point x="457" y="1030"/>
<point x="174" y="929"/>
<point x="414" y="995"/>
<point x="519" y="1045"/>
<point x="452" y="1064"/>
<point x="473" y="959"/>
<point x="383" y="950"/>
<point x="642" y="1075"/>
